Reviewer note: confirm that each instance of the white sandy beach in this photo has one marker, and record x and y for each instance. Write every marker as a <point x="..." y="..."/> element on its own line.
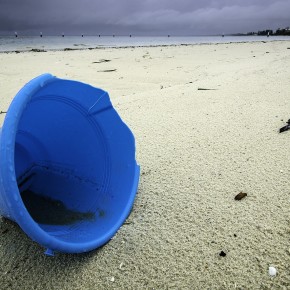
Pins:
<point x="197" y="150"/>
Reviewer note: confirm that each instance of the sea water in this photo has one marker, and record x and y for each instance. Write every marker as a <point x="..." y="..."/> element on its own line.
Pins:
<point x="26" y="43"/>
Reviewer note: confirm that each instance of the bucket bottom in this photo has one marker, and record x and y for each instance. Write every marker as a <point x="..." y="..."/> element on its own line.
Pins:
<point x="66" y="206"/>
<point x="48" y="211"/>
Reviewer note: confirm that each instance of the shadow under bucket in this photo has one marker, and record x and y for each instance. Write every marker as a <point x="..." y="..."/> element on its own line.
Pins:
<point x="68" y="174"/>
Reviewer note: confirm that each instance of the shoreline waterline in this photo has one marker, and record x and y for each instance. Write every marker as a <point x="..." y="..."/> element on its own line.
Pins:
<point x="56" y="43"/>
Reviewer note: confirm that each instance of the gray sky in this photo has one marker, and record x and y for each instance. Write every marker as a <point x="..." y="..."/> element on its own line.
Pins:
<point x="143" y="17"/>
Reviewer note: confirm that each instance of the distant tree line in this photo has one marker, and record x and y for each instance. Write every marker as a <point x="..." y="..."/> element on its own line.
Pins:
<point x="266" y="32"/>
<point x="283" y="31"/>
<point x="279" y="31"/>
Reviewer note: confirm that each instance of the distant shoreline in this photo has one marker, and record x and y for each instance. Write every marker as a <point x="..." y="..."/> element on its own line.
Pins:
<point x="77" y="48"/>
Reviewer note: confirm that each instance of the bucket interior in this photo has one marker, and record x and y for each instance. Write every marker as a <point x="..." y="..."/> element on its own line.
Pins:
<point x="64" y="171"/>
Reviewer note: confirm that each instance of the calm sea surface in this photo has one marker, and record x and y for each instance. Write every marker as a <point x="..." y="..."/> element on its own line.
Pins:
<point x="25" y="43"/>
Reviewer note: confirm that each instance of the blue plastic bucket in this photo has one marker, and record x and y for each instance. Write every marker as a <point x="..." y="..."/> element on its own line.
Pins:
<point x="68" y="174"/>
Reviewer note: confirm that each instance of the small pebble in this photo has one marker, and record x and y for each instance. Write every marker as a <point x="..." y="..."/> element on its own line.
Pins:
<point x="240" y="196"/>
<point x="281" y="171"/>
<point x="272" y="271"/>
<point x="222" y="254"/>
<point x="112" y="279"/>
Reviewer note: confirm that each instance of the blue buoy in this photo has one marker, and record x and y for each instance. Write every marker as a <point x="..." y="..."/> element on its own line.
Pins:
<point x="68" y="174"/>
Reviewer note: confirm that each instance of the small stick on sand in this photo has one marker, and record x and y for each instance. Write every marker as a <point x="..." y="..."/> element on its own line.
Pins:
<point x="107" y="70"/>
<point x="204" y="89"/>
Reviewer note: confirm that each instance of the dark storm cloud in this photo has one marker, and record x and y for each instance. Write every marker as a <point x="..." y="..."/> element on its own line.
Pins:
<point x="143" y="17"/>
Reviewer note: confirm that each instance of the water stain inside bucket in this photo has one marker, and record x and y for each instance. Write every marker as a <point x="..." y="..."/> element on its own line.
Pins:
<point x="45" y="210"/>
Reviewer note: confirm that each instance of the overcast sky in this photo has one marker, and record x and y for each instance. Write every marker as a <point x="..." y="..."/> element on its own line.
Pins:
<point x="142" y="17"/>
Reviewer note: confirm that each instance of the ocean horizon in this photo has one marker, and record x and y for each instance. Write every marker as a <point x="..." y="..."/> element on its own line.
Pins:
<point x="27" y="43"/>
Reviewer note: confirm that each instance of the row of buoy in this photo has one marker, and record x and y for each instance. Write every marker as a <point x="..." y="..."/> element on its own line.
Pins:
<point x="16" y="35"/>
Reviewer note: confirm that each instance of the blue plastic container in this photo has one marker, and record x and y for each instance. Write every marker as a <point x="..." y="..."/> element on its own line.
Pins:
<point x="68" y="174"/>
